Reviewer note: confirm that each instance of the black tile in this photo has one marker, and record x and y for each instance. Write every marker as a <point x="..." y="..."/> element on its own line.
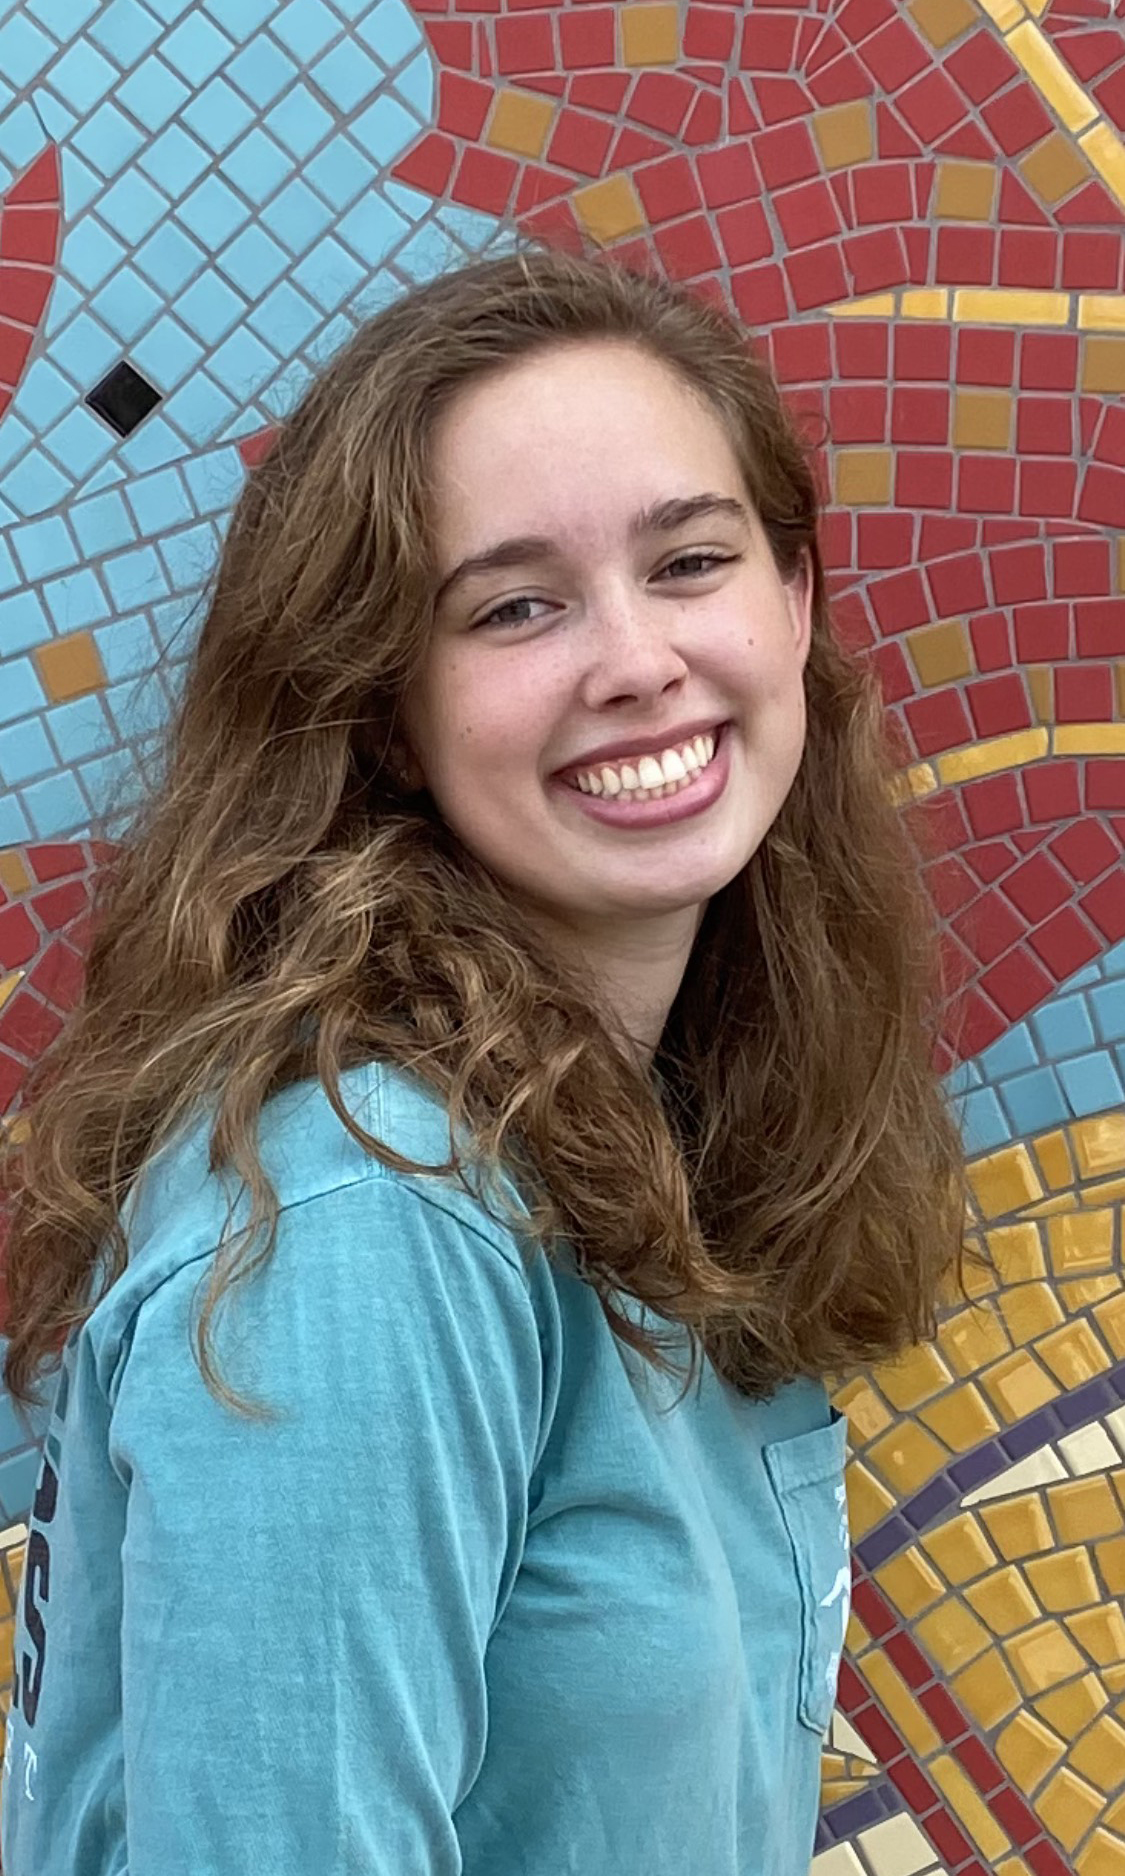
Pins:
<point x="124" y="398"/>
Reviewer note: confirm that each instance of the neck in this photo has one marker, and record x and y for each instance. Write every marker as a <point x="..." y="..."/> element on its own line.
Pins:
<point x="638" y="969"/>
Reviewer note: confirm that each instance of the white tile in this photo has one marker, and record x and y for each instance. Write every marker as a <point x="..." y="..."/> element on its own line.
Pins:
<point x="846" y="1739"/>
<point x="841" y="1860"/>
<point x="1041" y="1468"/>
<point x="15" y="1534"/>
<point x="898" y="1848"/>
<point x="1116" y="1424"/>
<point x="1089" y="1450"/>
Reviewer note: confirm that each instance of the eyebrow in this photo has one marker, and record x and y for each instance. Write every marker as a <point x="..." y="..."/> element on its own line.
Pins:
<point x="659" y="518"/>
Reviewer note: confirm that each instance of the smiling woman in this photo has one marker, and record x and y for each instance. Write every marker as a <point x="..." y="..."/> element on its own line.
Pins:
<point x="505" y="1065"/>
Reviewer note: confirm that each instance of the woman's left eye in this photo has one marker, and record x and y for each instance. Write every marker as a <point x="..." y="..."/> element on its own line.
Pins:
<point x="692" y="566"/>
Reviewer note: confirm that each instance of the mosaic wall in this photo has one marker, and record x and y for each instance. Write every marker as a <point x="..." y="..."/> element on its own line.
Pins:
<point x="919" y="208"/>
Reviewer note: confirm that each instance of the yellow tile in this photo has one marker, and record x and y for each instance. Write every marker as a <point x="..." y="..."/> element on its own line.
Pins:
<point x="866" y="1414"/>
<point x="965" y="191"/>
<point x="1084" y="1509"/>
<point x="962" y="1419"/>
<point x="1012" y="1866"/>
<point x="1010" y="306"/>
<point x="650" y="35"/>
<point x="7" y="1631"/>
<point x="1043" y="1656"/>
<point x="609" y="209"/>
<point x="1068" y="1806"/>
<point x="924" y="303"/>
<point x="1073" y="1354"/>
<point x="1086" y="1291"/>
<point x="1018" y="1385"/>
<point x="987" y="1689"/>
<point x="1030" y="1309"/>
<point x="863" y="477"/>
<point x="979" y="1281"/>
<point x="982" y="419"/>
<point x="910" y="1583"/>
<point x="907" y="1456"/>
<point x="915" y="1377"/>
<point x="1004" y="1181"/>
<point x="1110" y="1318"/>
<point x="1114" y="1678"/>
<point x="1004" y="1601"/>
<point x="1103" y="148"/>
<point x="1041" y="686"/>
<point x="1063" y="1581"/>
<point x="874" y="306"/>
<point x="14" y="876"/>
<point x="1006" y="13"/>
<point x="1101" y="1632"/>
<point x="1101" y="312"/>
<point x="69" y="667"/>
<point x="952" y="1636"/>
<point x="1051" y="77"/>
<point x="1099" y="1144"/>
<point x="1069" y="1710"/>
<point x="521" y="123"/>
<point x="1017" y="1526"/>
<point x="845" y="134"/>
<point x="960" y="1549"/>
<point x="1111" y="1562"/>
<point x="1054" y="168"/>
<point x="1102" y="1856"/>
<point x="992" y="757"/>
<point x="973" y="1338"/>
<point x="856" y="1638"/>
<point x="1103" y="1192"/>
<point x="1100" y="1757"/>
<point x="889" y="1687"/>
<point x="941" y="653"/>
<point x="1080" y="1241"/>
<point x="1017" y="1250"/>
<point x="1103" y="365"/>
<point x="1028" y="1750"/>
<point x="868" y="1501"/>
<point x="969" y="1806"/>
<point x="1089" y="739"/>
<point x="943" y="21"/>
<point x="8" y="985"/>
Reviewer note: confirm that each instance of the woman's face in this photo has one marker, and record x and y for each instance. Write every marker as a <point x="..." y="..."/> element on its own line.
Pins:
<point x="606" y="594"/>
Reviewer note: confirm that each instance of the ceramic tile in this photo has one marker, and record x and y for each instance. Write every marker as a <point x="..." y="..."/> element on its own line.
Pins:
<point x="1099" y="1757"/>
<point x="1004" y="1601"/>
<point x="1070" y="1710"/>
<point x="1039" y="1468"/>
<point x="910" y="1583"/>
<point x="1101" y="1632"/>
<point x="1018" y="1385"/>
<point x="1028" y="1750"/>
<point x="987" y="1690"/>
<point x="1068" y="1807"/>
<point x="951" y="1636"/>
<point x="962" y="1418"/>
<point x="907" y="1456"/>
<point x="1085" y="1509"/>
<point x="1104" y="1855"/>
<point x="969" y="1807"/>
<point x="896" y="1698"/>
<point x="1042" y="1657"/>
<point x="961" y="1549"/>
<point x="1063" y="1581"/>
<point x="913" y="1378"/>
<point x="1089" y="1450"/>
<point x="1080" y="1241"/>
<point x="1018" y="1527"/>
<point x="1073" y="1354"/>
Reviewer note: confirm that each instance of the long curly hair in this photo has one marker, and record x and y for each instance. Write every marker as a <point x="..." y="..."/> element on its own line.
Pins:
<point x="786" y="1185"/>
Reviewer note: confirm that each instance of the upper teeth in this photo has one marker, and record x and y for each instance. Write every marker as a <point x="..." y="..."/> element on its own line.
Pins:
<point x="649" y="774"/>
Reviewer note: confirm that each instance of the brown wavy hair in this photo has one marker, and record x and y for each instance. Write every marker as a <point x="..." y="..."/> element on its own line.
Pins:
<point x="788" y="1184"/>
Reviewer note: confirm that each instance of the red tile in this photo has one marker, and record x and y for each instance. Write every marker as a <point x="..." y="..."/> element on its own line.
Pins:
<point x="853" y="1693"/>
<point x="1046" y="1861"/>
<point x="999" y="704"/>
<point x="452" y="40"/>
<point x="957" y="584"/>
<point x="993" y="806"/>
<point x="1047" y="487"/>
<point x="631" y="147"/>
<point x="687" y="248"/>
<point x="801" y="354"/>
<point x="872" y="1609"/>
<point x="759" y="294"/>
<point x="1018" y="574"/>
<point x="728" y="175"/>
<point x="1017" y="1819"/>
<point x="895" y="679"/>
<point x="1091" y="262"/>
<point x="858" y="413"/>
<point x="1017" y="983"/>
<point x="588" y="37"/>
<point x="861" y="348"/>
<point x="1042" y="633"/>
<point x="841" y="82"/>
<point x="525" y="43"/>
<point x="891" y="135"/>
<point x="914" y="1786"/>
<point x="19" y="939"/>
<point x="29" y="234"/>
<point x="1099" y="624"/>
<point x="58" y="975"/>
<point x="708" y="32"/>
<point x="816" y="276"/>
<point x="899" y="601"/>
<point x="464" y="103"/>
<point x="747" y="236"/>
<point x="667" y="188"/>
<point x="858" y="19"/>
<point x="923" y="352"/>
<point x="966" y="257"/>
<point x="989" y="863"/>
<point x="938" y="722"/>
<point x="894" y="55"/>
<point x="24" y="292"/>
<point x="661" y="101"/>
<point x="705" y="122"/>
<point x="986" y="485"/>
<point x="1083" y="568"/>
<point x="807" y="213"/>
<point x="923" y="478"/>
<point x="1037" y="888"/>
<point x="1045" y="426"/>
<point x="1092" y="205"/>
<point x="1093" y="51"/>
<point x="769" y="43"/>
<point x="1111" y="436"/>
<point x="1102" y="500"/>
<point x="782" y="99"/>
<point x="919" y="415"/>
<point x="980" y="1765"/>
<point x="1086" y="850"/>
<point x="1029" y="257"/>
<point x="15" y="344"/>
<point x="1105" y="903"/>
<point x="878" y="1734"/>
<point x="981" y="65"/>
<point x="786" y="155"/>
<point x="62" y="904"/>
<point x="992" y="645"/>
<point x="1017" y="119"/>
<point x="1051" y="790"/>
<point x="1018" y="207"/>
<point x="1105" y="787"/>
<point x="1048" y="362"/>
<point x="877" y="260"/>
<point x="485" y="180"/>
<point x="27" y="1026"/>
<point x="39" y="182"/>
<point x="1084" y="693"/>
<point x="885" y="540"/>
<point x="957" y="968"/>
<point x="932" y="106"/>
<point x="580" y="142"/>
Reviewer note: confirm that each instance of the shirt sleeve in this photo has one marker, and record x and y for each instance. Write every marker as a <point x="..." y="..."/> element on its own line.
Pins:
<point x="307" y="1602"/>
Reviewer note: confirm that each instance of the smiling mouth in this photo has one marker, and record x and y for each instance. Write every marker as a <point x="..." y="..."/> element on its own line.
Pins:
<point x="651" y="778"/>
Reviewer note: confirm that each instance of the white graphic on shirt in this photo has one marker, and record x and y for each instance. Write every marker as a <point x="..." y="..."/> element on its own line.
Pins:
<point x="840" y="1593"/>
<point x="30" y="1767"/>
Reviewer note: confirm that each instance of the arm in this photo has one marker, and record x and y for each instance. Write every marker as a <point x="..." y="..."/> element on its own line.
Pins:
<point x="307" y="1603"/>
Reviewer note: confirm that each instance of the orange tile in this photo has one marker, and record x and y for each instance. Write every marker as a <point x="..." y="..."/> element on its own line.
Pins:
<point x="1004" y="1601"/>
<point x="943" y="21"/>
<point x="890" y="1688"/>
<point x="650" y="35"/>
<point x="965" y="191"/>
<point x="1028" y="1750"/>
<point x="1068" y="1806"/>
<point x="1018" y="1527"/>
<point x="962" y="1419"/>
<point x="915" y="1377"/>
<point x="863" y="477"/>
<point x="982" y="419"/>
<point x="951" y="1636"/>
<point x="910" y="1583"/>
<point x="1017" y="1250"/>
<point x="866" y="1414"/>
<point x="907" y="1457"/>
<point x="987" y="1689"/>
<point x="972" y="1338"/>
<point x="1018" y="1386"/>
<point x="69" y="667"/>
<point x="1111" y="1562"/>
<point x="609" y="209"/>
<point x="845" y="134"/>
<point x="969" y="1806"/>
<point x="1110" y="1318"/>
<point x="868" y="1501"/>
<point x="941" y="653"/>
<point x="960" y="1549"/>
<point x="1104" y="1855"/>
<point x="1073" y="1354"/>
<point x="1100" y="1756"/>
<point x="1101" y="1632"/>
<point x="1054" y="168"/>
<point x="1030" y="1309"/>
<point x="1063" y="1581"/>
<point x="1084" y="1509"/>
<point x="1103" y="365"/>
<point x="14" y="876"/>
<point x="1080" y="1241"/>
<point x="1070" y="1710"/>
<point x="1042" y="1657"/>
<point x="521" y="123"/>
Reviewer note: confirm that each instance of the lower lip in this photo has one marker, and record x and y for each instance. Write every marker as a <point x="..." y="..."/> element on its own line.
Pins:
<point x="699" y="794"/>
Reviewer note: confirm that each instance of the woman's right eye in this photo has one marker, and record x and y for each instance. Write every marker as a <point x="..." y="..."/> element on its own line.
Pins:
<point x="511" y="611"/>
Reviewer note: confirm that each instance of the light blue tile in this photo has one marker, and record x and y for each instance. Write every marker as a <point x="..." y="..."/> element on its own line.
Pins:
<point x="209" y="307"/>
<point x="174" y="160"/>
<point x="218" y="115"/>
<point x="138" y="708"/>
<point x="960" y="1079"/>
<point x="10" y="574"/>
<point x="1062" y="1027"/>
<point x="332" y="336"/>
<point x="21" y="133"/>
<point x="429" y="252"/>
<point x="176" y="624"/>
<point x="1090" y="974"/>
<point x="17" y="1485"/>
<point x="44" y="547"/>
<point x="415" y="85"/>
<point x="135" y="577"/>
<point x="126" y="647"/>
<point x="103" y="478"/>
<point x="25" y="753"/>
<point x="82" y="76"/>
<point x="1107" y="1002"/>
<point x="346" y="75"/>
<point x="214" y="479"/>
<point x="62" y="18"/>
<point x="80" y="441"/>
<point x="80" y="729"/>
<point x="242" y="18"/>
<point x="132" y="206"/>
<point x="153" y="93"/>
<point x="1113" y="962"/>
<point x="166" y="353"/>
<point x="169" y="10"/>
<point x="102" y="523"/>
<point x="150" y="447"/>
<point x="159" y="501"/>
<point x="1034" y="1100"/>
<point x="257" y="166"/>
<point x="169" y="258"/>
<point x="476" y="233"/>
<point x="391" y="31"/>
<point x="112" y="785"/>
<point x="297" y="217"/>
<point x="305" y="27"/>
<point x="329" y="274"/>
<point x="34" y="485"/>
<point x="79" y="187"/>
<point x="190" y="556"/>
<point x="242" y="364"/>
<point x="299" y="122"/>
<point x="65" y="300"/>
<point x="126" y="304"/>
<point x="262" y="70"/>
<point x="24" y="50"/>
<point x="1091" y="1082"/>
<point x="23" y="624"/>
<point x="44" y="394"/>
<point x="56" y="118"/>
<point x="55" y="807"/>
<point x="90" y="253"/>
<point x="212" y="212"/>
<point x="373" y="229"/>
<point x="84" y="349"/>
<point x="196" y="49"/>
<point x="200" y="409"/>
<point x="15" y="828"/>
<point x="75" y="601"/>
<point x="125" y="30"/>
<point x="1013" y="1053"/>
<point x="283" y="395"/>
<point x="340" y="171"/>
<point x="384" y="129"/>
<point x="15" y="438"/>
<point x="284" y="318"/>
<point x="983" y="1125"/>
<point x="253" y="261"/>
<point x="20" y="689"/>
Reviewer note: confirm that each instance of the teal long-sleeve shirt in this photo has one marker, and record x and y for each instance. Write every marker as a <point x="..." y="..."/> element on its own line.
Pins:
<point x="478" y="1601"/>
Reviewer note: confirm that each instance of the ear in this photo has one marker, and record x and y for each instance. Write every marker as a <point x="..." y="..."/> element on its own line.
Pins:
<point x="798" y="601"/>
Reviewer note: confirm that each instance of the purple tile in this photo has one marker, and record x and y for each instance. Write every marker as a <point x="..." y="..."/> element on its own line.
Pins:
<point x="1086" y="1403"/>
<point x="883" y="1541"/>
<point x="1116" y="1379"/>
<point x="823" y="1840"/>
<point x="929" y="1503"/>
<point x="978" y="1466"/>
<point x="1038" y="1430"/>
<point x="857" y="1813"/>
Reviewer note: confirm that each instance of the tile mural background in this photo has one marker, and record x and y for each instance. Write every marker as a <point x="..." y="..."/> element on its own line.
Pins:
<point x="919" y="208"/>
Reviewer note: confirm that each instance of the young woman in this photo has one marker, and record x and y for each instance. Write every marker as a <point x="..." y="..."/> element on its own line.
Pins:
<point x="502" y="1092"/>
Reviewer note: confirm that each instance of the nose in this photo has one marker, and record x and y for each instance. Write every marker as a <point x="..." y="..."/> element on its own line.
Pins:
<point x="633" y="654"/>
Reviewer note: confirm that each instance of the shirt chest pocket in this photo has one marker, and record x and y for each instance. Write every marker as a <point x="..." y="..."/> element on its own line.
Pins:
<point x="807" y="1476"/>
